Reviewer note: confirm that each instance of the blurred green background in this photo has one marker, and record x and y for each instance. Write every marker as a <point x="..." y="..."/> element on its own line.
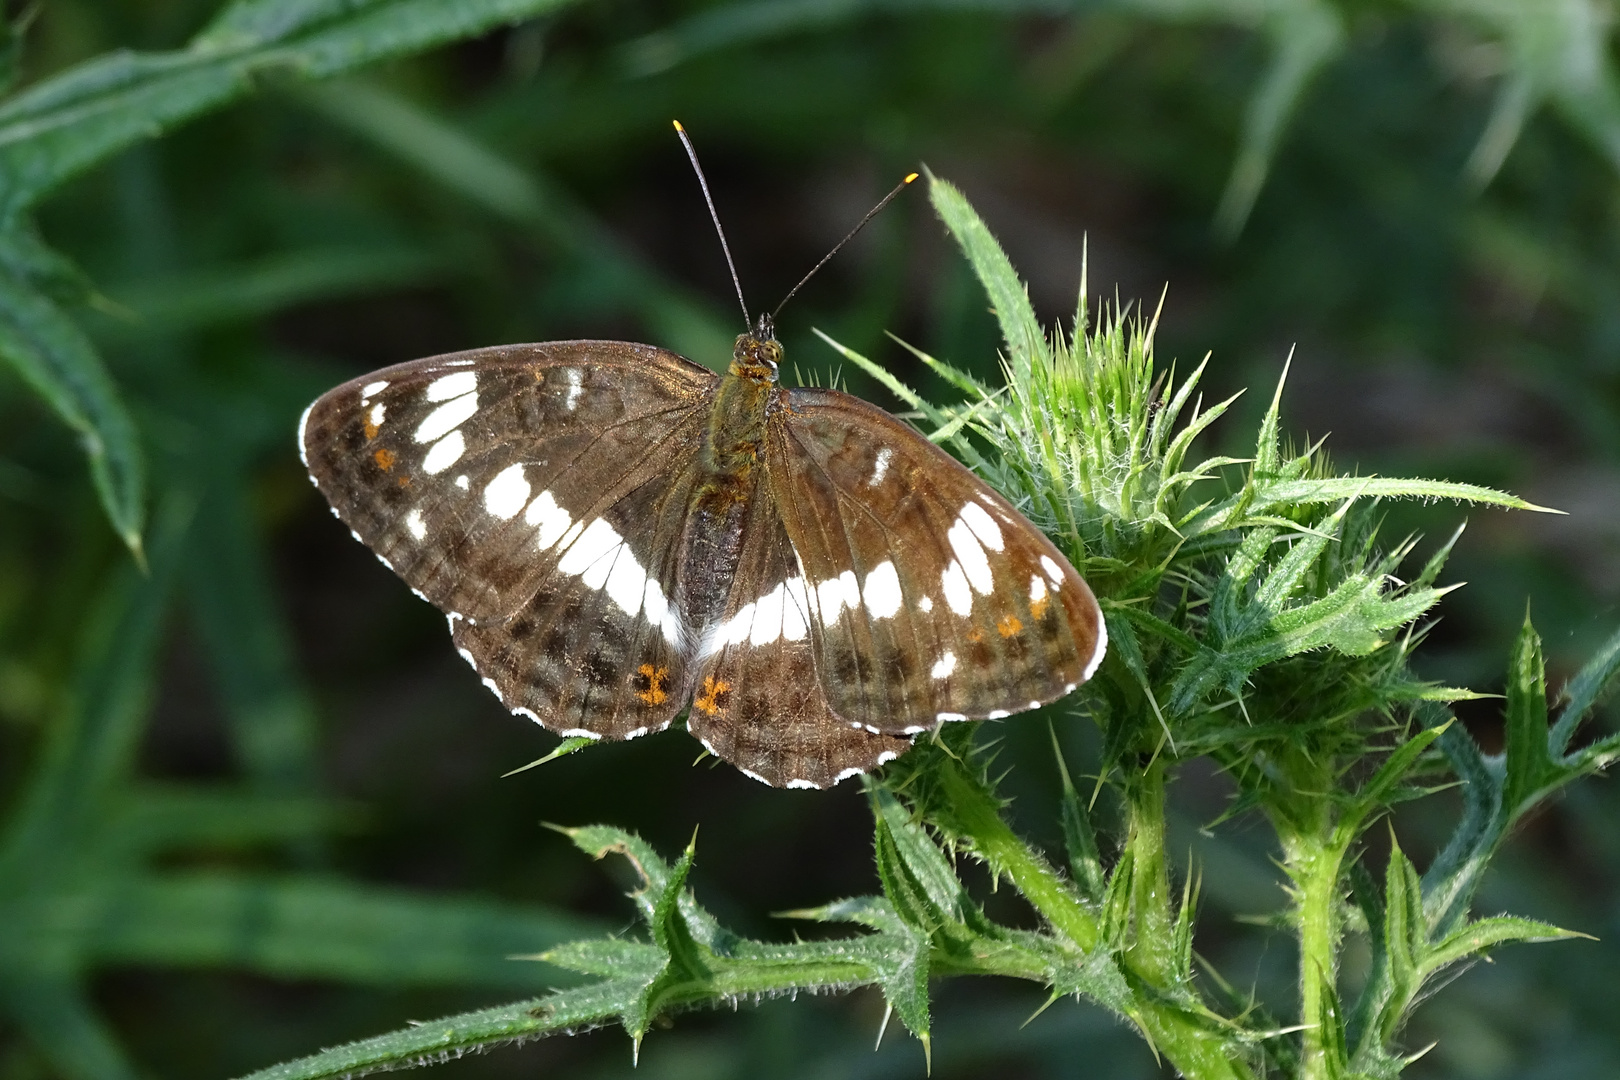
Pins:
<point x="251" y="798"/>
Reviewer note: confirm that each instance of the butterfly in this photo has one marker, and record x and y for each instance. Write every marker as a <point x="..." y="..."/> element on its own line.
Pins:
<point x="618" y="535"/>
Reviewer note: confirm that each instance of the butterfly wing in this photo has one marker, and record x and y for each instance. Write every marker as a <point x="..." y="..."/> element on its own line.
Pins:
<point x="439" y="465"/>
<point x="931" y="597"/>
<point x="501" y="485"/>
<point x="758" y="703"/>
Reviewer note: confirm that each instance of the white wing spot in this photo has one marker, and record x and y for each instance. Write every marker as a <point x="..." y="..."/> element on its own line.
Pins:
<point x="880" y="467"/>
<point x="752" y="775"/>
<point x="551" y="519"/>
<point x="944" y="666"/>
<point x="461" y="481"/>
<point x="803" y="784"/>
<point x="508" y="493"/>
<point x="378" y="412"/>
<point x="835" y="594"/>
<point x="656" y="607"/>
<point x="1033" y="705"/>
<point x="983" y="525"/>
<point x="1037" y="589"/>
<point x="948" y="716"/>
<point x="1068" y="688"/>
<point x="882" y="591"/>
<point x="885" y="757"/>
<point x="997" y="714"/>
<point x="957" y="596"/>
<point x="975" y="564"/>
<point x="795" y="610"/>
<point x="926" y="604"/>
<point x="414" y="523"/>
<point x="372" y="389"/>
<point x="450" y="386"/>
<point x="452" y="414"/>
<point x="847" y="773"/>
<point x="580" y="733"/>
<point x="598" y="540"/>
<point x="444" y="453"/>
<point x="526" y="713"/>
<point x="767" y="625"/>
<point x="1102" y="647"/>
<point x="574" y="385"/>
<point x="303" y="454"/>
<point x="636" y="734"/>
<point x="495" y="690"/>
<point x="1053" y="571"/>
<point x="467" y="655"/>
<point x="627" y="582"/>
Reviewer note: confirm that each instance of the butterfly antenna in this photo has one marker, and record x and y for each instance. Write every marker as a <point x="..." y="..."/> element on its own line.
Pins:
<point x="870" y="214"/>
<point x="704" y="184"/>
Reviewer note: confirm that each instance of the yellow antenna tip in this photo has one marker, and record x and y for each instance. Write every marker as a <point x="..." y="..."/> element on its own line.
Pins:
<point x="677" y="124"/>
<point x="908" y="179"/>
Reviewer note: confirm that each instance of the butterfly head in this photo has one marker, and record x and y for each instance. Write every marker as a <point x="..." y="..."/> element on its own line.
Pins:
<point x="757" y="355"/>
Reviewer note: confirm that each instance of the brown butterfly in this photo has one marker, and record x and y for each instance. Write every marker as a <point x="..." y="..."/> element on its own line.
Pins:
<point x="616" y="532"/>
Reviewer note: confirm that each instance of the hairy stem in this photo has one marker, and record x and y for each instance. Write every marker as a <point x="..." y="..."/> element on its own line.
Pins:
<point x="1314" y="858"/>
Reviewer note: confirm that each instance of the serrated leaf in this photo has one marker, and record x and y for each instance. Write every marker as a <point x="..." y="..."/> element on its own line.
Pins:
<point x="1025" y="339"/>
<point x="1405" y="935"/>
<point x="57" y="361"/>
<point x="1376" y="792"/>
<point x="1482" y="934"/>
<point x="916" y="878"/>
<point x="606" y="956"/>
<point x="1596" y="679"/>
<point x="1085" y="863"/>
<point x="64" y="125"/>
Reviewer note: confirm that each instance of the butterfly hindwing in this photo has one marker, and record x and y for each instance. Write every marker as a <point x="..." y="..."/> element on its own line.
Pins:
<point x="932" y="598"/>
<point x="599" y="648"/>
<point x="456" y="470"/>
<point x="757" y="701"/>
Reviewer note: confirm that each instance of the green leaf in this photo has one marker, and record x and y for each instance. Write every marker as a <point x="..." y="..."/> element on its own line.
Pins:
<point x="1529" y="765"/>
<point x="1483" y="934"/>
<point x="232" y="601"/>
<point x="1375" y="793"/>
<point x="1026" y="341"/>
<point x="1085" y="863"/>
<point x="1589" y="686"/>
<point x="1304" y="36"/>
<point x="1405" y="939"/>
<point x="82" y="116"/>
<point x="58" y="363"/>
<point x="444" y="153"/>
<point x="289" y="926"/>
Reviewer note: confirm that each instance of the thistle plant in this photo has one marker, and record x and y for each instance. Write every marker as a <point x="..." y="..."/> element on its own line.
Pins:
<point x="1256" y="618"/>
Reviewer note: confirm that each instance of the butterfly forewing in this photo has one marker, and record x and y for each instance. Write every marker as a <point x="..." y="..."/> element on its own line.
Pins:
<point x="465" y="473"/>
<point x="758" y="703"/>
<point x="931" y="597"/>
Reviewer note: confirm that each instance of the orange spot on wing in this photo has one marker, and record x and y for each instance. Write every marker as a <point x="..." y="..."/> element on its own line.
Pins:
<point x="709" y="700"/>
<point x="385" y="458"/>
<point x="656" y="678"/>
<point x="1009" y="625"/>
<point x="975" y="635"/>
<point x="404" y="481"/>
<point x="370" y="428"/>
<point x="1038" y="608"/>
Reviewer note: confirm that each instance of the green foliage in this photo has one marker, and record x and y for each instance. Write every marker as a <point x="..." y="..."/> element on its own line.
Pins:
<point x="1272" y="646"/>
<point x="1252" y="610"/>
